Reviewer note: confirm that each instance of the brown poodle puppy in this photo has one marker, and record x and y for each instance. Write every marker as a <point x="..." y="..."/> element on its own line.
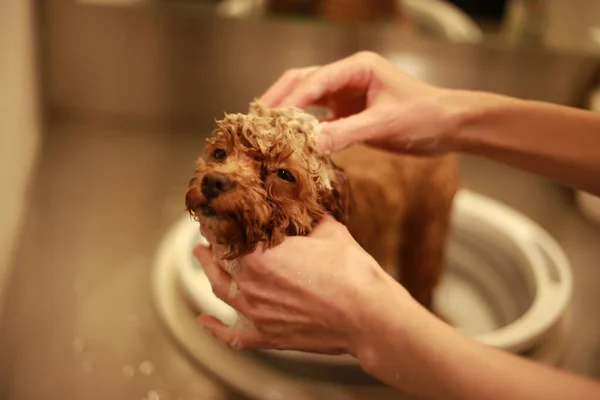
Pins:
<point x="262" y="179"/>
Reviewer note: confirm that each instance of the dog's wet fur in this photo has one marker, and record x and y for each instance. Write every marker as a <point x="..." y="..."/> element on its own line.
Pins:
<point x="262" y="179"/>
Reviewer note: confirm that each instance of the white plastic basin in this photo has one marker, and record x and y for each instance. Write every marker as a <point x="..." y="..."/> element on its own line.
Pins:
<point x="507" y="282"/>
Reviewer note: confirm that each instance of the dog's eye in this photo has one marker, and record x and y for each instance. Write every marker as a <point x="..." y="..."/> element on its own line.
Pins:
<point x="219" y="154"/>
<point x="286" y="175"/>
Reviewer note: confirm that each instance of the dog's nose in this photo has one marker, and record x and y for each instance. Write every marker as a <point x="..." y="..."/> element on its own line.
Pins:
<point x="214" y="183"/>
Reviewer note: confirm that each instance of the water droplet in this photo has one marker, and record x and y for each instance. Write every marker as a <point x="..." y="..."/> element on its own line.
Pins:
<point x="78" y="345"/>
<point x="87" y="367"/>
<point x="128" y="371"/>
<point x="153" y="395"/>
<point x="236" y="344"/>
<point x="233" y="289"/>
<point x="146" y="368"/>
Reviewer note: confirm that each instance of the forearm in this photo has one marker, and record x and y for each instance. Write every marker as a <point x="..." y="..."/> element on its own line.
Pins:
<point x="468" y="370"/>
<point x="560" y="143"/>
<point x="431" y="360"/>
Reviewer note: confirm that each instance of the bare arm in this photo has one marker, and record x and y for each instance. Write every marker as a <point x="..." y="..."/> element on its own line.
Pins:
<point x="375" y="102"/>
<point x="353" y="306"/>
<point x="445" y="364"/>
<point x="560" y="143"/>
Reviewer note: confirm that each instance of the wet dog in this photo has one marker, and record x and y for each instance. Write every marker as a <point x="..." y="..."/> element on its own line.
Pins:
<point x="262" y="179"/>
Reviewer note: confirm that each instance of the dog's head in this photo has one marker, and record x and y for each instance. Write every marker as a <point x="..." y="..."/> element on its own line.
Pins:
<point x="262" y="179"/>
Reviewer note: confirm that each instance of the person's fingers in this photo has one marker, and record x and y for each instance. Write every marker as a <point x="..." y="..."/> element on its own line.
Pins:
<point x="327" y="220"/>
<point x="260" y="261"/>
<point x="250" y="338"/>
<point x="352" y="73"/>
<point x="233" y="336"/>
<point x="327" y="227"/>
<point x="284" y="85"/>
<point x="203" y="253"/>
<point x="218" y="329"/>
<point x="341" y="133"/>
<point x="220" y="281"/>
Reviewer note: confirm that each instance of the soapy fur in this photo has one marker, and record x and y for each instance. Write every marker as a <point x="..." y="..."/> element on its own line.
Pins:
<point x="262" y="208"/>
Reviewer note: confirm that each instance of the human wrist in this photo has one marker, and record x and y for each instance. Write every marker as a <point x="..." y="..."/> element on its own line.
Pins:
<point x="403" y="345"/>
<point x="479" y="114"/>
<point x="388" y="312"/>
<point x="401" y="342"/>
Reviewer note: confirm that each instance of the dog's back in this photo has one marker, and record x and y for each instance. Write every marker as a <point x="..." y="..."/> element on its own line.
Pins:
<point x="401" y="212"/>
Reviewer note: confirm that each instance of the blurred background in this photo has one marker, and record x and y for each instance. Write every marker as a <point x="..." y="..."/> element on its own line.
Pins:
<point x="104" y="105"/>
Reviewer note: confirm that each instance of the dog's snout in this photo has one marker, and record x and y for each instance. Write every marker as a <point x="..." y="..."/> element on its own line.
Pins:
<point x="213" y="184"/>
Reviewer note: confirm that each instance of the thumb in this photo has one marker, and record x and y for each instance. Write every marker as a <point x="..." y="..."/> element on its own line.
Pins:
<point x="339" y="134"/>
<point x="326" y="226"/>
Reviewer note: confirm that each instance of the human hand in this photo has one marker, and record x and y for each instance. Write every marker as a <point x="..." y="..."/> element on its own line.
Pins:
<point x="373" y="101"/>
<point x="311" y="293"/>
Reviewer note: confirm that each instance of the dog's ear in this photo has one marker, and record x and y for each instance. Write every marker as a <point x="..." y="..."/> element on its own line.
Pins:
<point x="338" y="200"/>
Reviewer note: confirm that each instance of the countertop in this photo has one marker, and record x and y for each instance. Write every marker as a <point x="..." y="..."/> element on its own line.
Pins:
<point x="79" y="321"/>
